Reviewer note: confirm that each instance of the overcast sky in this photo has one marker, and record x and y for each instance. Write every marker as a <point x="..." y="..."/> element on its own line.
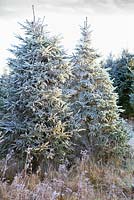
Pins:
<point x="112" y="22"/>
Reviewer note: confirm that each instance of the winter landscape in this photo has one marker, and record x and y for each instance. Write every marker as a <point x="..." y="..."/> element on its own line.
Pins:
<point x="66" y="118"/>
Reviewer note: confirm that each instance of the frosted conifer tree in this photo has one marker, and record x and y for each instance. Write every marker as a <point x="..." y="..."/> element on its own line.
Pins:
<point x="3" y="91"/>
<point x="34" y="109"/>
<point x="121" y="71"/>
<point x="95" y="112"/>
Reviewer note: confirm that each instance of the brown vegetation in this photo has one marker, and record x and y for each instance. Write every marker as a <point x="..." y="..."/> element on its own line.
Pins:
<point x="84" y="181"/>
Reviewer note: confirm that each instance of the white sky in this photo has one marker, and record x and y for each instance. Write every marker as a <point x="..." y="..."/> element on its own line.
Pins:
<point x="111" y="32"/>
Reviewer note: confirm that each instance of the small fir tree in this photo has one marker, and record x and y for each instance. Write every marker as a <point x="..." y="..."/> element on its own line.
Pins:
<point x="34" y="117"/>
<point x="121" y="71"/>
<point x="95" y="112"/>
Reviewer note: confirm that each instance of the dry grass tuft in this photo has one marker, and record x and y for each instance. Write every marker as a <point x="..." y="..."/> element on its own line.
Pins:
<point x="84" y="181"/>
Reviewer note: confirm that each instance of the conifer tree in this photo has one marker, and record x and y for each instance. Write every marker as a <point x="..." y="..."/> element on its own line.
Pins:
<point x="132" y="93"/>
<point x="34" y="117"/>
<point x="95" y="112"/>
<point x="3" y="91"/>
<point x="132" y="97"/>
<point x="121" y="71"/>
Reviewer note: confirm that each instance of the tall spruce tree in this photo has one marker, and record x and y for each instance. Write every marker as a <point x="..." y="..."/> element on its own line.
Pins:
<point x="34" y="116"/>
<point x="95" y="112"/>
